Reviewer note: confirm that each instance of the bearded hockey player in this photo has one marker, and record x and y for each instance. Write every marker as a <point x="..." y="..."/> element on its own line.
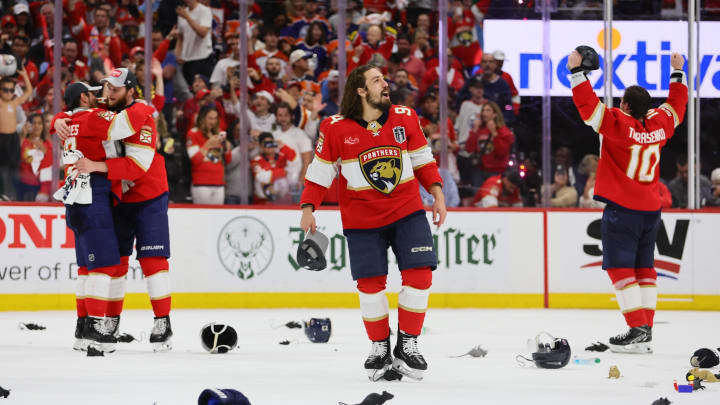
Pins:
<point x="383" y="155"/>
<point x="627" y="181"/>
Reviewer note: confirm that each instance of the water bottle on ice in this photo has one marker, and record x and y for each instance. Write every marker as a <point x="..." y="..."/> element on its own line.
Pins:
<point x="585" y="361"/>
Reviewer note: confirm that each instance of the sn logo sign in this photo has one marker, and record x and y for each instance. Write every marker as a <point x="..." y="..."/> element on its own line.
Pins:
<point x="671" y="246"/>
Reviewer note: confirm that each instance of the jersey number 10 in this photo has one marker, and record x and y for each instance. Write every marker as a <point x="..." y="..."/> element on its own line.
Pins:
<point x="643" y="155"/>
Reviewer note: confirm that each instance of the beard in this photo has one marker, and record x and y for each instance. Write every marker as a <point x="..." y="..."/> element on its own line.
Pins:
<point x="118" y="105"/>
<point x="380" y="103"/>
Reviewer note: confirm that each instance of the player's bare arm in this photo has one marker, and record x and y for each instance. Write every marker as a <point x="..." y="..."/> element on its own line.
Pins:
<point x="438" y="208"/>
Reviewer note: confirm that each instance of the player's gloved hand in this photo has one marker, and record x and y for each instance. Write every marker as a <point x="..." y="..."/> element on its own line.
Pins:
<point x="62" y="129"/>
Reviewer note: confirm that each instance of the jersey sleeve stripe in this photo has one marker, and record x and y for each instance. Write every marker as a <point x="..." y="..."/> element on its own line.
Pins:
<point x="141" y="156"/>
<point x="596" y="118"/>
<point x="422" y="157"/>
<point x="139" y="145"/>
<point x="120" y="127"/>
<point x="322" y="160"/>
<point x="668" y="107"/>
<point x="192" y="150"/>
<point x="320" y="172"/>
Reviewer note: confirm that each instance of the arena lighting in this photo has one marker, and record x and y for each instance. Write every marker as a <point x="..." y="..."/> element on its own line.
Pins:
<point x="511" y="163"/>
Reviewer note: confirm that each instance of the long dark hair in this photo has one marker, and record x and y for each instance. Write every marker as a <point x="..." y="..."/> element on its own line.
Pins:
<point x="351" y="106"/>
<point x="200" y="121"/>
<point x="309" y="37"/>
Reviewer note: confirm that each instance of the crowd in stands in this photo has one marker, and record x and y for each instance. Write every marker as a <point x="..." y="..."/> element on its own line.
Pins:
<point x="292" y="80"/>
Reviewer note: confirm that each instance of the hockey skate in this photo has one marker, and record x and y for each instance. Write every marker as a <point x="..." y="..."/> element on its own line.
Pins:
<point x="81" y="343"/>
<point x="98" y="336"/>
<point x="161" y="334"/>
<point x="636" y="340"/>
<point x="379" y="361"/>
<point x="408" y="360"/>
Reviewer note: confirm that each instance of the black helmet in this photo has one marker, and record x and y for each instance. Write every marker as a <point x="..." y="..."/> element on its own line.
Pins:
<point x="590" y="58"/>
<point x="555" y="354"/>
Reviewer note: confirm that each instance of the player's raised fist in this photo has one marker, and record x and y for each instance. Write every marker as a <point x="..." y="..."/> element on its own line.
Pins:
<point x="677" y="61"/>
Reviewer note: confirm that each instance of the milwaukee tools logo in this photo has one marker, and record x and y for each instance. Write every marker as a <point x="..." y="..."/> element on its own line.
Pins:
<point x="669" y="247"/>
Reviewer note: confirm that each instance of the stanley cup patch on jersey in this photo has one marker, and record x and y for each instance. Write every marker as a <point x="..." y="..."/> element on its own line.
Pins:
<point x="399" y="133"/>
<point x="382" y="167"/>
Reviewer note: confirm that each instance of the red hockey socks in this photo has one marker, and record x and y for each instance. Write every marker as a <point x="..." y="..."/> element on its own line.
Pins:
<point x="374" y="307"/>
<point x="118" y="284"/>
<point x="80" y="291"/>
<point x="156" y="270"/>
<point x="97" y="290"/>
<point x="413" y="299"/>
<point x="647" y="278"/>
<point x="628" y="296"/>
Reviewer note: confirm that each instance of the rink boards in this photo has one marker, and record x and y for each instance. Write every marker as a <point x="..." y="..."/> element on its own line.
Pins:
<point x="244" y="258"/>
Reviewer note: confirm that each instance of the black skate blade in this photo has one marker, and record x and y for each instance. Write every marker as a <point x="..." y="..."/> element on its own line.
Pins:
<point x="400" y="367"/>
<point x="93" y="352"/>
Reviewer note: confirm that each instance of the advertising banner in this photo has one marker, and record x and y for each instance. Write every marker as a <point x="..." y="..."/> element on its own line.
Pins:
<point x="641" y="53"/>
<point x="253" y="250"/>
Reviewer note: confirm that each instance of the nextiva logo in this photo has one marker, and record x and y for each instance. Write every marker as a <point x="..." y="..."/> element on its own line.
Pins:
<point x="644" y="61"/>
<point x="669" y="247"/>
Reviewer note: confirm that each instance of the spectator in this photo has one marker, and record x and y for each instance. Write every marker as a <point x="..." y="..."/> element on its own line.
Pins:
<point x="21" y="11"/>
<point x="401" y="80"/>
<point x="411" y="64"/>
<point x="275" y="67"/>
<point x="502" y="190"/>
<point x="469" y="113"/>
<point x="679" y="187"/>
<point x="489" y="144"/>
<point x="9" y="139"/>
<point x="194" y="46"/>
<point x="209" y="151"/>
<point x="586" y="177"/>
<point x="219" y="76"/>
<point x="495" y="88"/>
<point x="562" y="194"/>
<point x="235" y="187"/>
<point x="315" y="42"/>
<point x="271" y="183"/>
<point x="271" y="40"/>
<point x="71" y="59"/>
<point x="563" y="157"/>
<point x="97" y="35"/>
<point x="261" y="117"/>
<point x="20" y="49"/>
<point x="499" y="57"/>
<point x="34" y="182"/>
<point x="714" y="200"/>
<point x="299" y="67"/>
<point x="8" y="29"/>
<point x="293" y="137"/>
<point x="429" y="122"/>
<point x="330" y="95"/>
<point x="449" y="189"/>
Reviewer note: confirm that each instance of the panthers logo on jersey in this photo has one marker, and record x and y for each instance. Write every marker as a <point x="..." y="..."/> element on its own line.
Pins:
<point x="382" y="167"/>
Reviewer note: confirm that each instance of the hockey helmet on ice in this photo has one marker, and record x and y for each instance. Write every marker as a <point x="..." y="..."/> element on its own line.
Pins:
<point x="318" y="330"/>
<point x="704" y="358"/>
<point x="311" y="252"/>
<point x="552" y="354"/>
<point x="218" y="338"/>
<point x="222" y="396"/>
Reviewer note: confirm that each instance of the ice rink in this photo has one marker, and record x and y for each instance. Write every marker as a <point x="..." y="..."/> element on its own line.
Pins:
<point x="41" y="368"/>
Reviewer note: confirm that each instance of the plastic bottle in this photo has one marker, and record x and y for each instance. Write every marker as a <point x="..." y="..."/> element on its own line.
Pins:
<point x="585" y="361"/>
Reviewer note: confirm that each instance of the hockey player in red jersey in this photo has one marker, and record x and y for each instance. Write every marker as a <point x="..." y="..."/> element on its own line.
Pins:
<point x="88" y="201"/>
<point x="627" y="180"/>
<point x="141" y="217"/>
<point x="383" y="155"/>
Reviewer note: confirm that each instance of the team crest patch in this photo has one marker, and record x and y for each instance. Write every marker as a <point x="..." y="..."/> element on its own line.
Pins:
<point x="145" y="136"/>
<point x="374" y="127"/>
<point x="106" y="115"/>
<point x="399" y="133"/>
<point x="382" y="167"/>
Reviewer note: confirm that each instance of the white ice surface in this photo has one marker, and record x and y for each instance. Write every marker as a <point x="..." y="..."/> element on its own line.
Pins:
<point x="41" y="368"/>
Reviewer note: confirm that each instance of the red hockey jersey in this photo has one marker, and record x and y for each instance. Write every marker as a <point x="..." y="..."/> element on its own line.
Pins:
<point x="627" y="173"/>
<point x="142" y="169"/>
<point x="381" y="163"/>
